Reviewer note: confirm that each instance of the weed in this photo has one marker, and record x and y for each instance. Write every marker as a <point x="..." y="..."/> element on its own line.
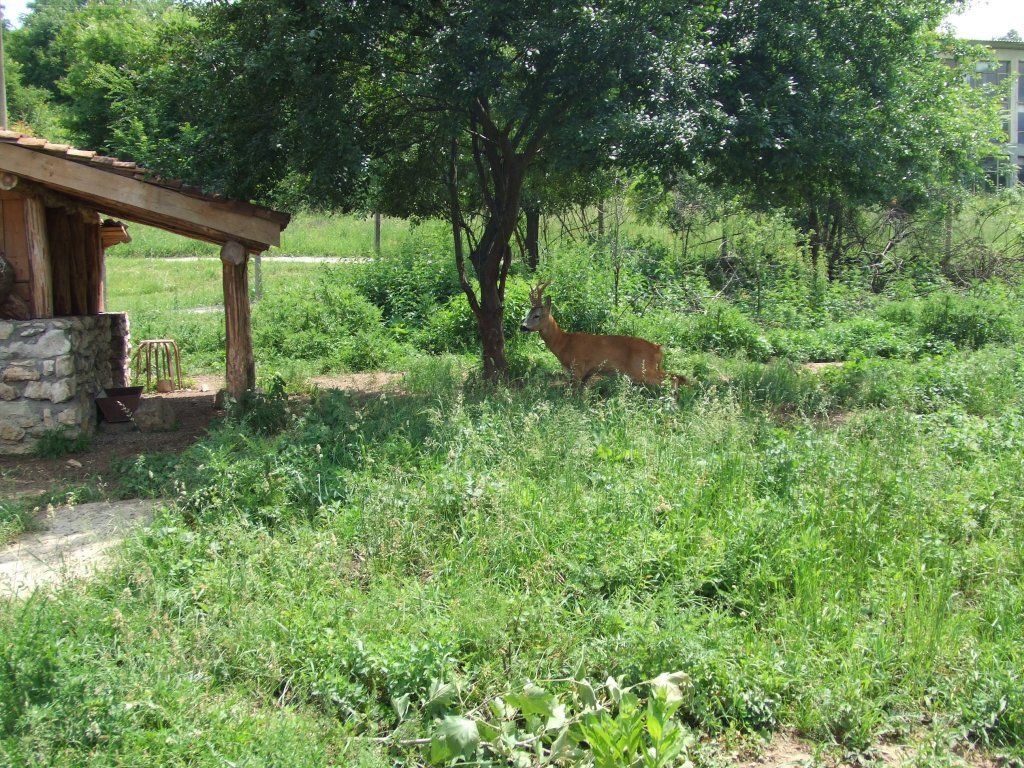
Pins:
<point x="265" y="412"/>
<point x="55" y="443"/>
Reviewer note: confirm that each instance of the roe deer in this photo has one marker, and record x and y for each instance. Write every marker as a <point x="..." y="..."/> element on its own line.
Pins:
<point x="584" y="354"/>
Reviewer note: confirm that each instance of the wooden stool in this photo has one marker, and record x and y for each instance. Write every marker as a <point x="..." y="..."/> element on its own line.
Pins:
<point x="159" y="362"/>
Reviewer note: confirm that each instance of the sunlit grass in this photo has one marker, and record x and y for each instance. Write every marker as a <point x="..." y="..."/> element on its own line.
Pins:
<point x="847" y="582"/>
<point x="307" y="234"/>
<point x="836" y="554"/>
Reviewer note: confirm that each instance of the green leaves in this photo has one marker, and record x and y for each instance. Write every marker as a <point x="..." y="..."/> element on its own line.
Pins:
<point x="534" y="700"/>
<point x="673" y="686"/>
<point x="607" y="725"/>
<point x="454" y="737"/>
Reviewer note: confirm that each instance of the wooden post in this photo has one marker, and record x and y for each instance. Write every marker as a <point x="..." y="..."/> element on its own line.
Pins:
<point x="94" y="259"/>
<point x="376" y="235"/>
<point x="257" y="276"/>
<point x="40" y="264"/>
<point x="241" y="365"/>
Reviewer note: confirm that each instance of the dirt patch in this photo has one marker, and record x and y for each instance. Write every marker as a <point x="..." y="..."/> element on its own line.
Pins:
<point x="360" y="383"/>
<point x="787" y="751"/>
<point x="819" y="367"/>
<point x="193" y="410"/>
<point x="68" y="543"/>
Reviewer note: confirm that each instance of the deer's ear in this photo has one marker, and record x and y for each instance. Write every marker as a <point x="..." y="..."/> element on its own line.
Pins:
<point x="547" y="303"/>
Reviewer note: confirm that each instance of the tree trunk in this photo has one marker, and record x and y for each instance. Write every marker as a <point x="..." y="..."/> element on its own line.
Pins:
<point x="491" y="261"/>
<point x="834" y="238"/>
<point x="814" y="234"/>
<point x="491" y="323"/>
<point x="947" y="244"/>
<point x="500" y="175"/>
<point x="533" y="238"/>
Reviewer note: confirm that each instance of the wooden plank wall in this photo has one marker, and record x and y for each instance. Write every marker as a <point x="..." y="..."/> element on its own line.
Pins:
<point x="14" y="242"/>
<point x="77" y="256"/>
<point x="39" y="261"/>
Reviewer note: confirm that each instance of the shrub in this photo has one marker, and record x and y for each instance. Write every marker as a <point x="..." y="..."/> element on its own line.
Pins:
<point x="453" y="327"/>
<point x="55" y="443"/>
<point x="993" y="712"/>
<point x="860" y="336"/>
<point x="435" y="375"/>
<point x="582" y="289"/>
<point x="410" y="285"/>
<point x="984" y="382"/>
<point x="328" y="322"/>
<point x="966" y="321"/>
<point x="264" y="413"/>
<point x="726" y="330"/>
<point x="781" y="387"/>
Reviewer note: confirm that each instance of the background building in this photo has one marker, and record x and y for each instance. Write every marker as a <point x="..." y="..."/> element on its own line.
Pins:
<point x="1006" y="72"/>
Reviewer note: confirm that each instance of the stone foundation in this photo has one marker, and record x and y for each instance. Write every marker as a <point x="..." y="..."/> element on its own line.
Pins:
<point x="51" y="371"/>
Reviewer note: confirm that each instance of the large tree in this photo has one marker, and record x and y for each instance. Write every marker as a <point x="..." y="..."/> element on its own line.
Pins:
<point x="845" y="103"/>
<point x="456" y="102"/>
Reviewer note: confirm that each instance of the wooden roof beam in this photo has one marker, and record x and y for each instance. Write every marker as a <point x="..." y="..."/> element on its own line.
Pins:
<point x="124" y="196"/>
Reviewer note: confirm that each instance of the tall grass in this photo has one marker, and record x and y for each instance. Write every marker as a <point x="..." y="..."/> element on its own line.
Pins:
<point x="843" y="581"/>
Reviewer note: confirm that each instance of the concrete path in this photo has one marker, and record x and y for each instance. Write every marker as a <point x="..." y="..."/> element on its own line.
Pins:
<point x="69" y="543"/>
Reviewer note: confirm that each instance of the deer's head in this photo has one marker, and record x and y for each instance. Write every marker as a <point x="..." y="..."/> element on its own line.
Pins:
<point x="540" y="309"/>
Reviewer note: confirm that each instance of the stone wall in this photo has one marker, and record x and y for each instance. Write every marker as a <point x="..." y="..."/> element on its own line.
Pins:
<point x="51" y="371"/>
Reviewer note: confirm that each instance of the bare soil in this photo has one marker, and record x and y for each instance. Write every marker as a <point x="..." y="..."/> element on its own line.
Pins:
<point x="785" y="750"/>
<point x="68" y="543"/>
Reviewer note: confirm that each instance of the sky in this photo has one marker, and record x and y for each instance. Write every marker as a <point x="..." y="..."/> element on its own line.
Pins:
<point x="14" y="9"/>
<point x="984" y="19"/>
<point x="989" y="19"/>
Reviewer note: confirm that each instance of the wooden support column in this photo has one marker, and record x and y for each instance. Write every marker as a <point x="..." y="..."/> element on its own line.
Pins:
<point x="241" y="365"/>
<point x="78" y="265"/>
<point x="39" y="258"/>
<point x="58" y="223"/>
<point x="93" y="277"/>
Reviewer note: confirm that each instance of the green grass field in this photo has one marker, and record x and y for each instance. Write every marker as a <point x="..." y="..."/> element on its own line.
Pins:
<point x="307" y="234"/>
<point x="453" y="573"/>
<point x="852" y="581"/>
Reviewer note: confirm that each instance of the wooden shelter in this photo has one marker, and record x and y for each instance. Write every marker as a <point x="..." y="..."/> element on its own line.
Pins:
<point x="53" y="198"/>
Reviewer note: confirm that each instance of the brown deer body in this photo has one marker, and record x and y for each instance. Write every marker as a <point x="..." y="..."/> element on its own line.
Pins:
<point x="584" y="354"/>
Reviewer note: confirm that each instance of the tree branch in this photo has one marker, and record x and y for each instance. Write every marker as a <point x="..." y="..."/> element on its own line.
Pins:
<point x="457" y="226"/>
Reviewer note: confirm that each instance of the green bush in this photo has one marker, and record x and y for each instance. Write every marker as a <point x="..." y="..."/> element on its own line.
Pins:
<point x="726" y="330"/>
<point x="781" y="387"/>
<point x="453" y="327"/>
<point x="327" y="322"/>
<point x="410" y="285"/>
<point x="723" y="330"/>
<point x="55" y="443"/>
<point x="582" y="288"/>
<point x="983" y="382"/>
<point x="860" y="336"/>
<point x="993" y="712"/>
<point x="966" y="321"/>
